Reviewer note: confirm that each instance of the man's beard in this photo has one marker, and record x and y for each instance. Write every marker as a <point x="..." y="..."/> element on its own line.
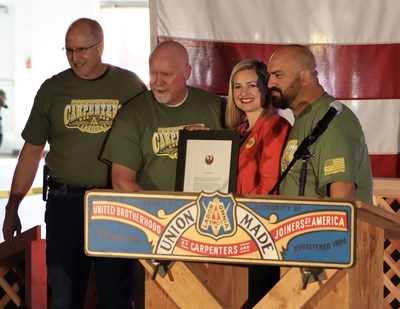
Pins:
<point x="281" y="101"/>
<point x="163" y="97"/>
<point x="285" y="99"/>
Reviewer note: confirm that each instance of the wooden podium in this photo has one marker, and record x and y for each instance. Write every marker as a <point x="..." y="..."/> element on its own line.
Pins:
<point x="360" y="286"/>
<point x="192" y="283"/>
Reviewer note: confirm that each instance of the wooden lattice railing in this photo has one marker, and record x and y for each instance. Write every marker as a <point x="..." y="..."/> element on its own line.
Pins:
<point x="387" y="195"/>
<point x="23" y="273"/>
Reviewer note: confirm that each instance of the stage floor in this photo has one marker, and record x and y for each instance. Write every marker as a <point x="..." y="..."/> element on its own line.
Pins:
<point x="32" y="208"/>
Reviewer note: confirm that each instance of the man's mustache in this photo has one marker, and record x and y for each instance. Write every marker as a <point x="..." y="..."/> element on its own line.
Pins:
<point x="275" y="89"/>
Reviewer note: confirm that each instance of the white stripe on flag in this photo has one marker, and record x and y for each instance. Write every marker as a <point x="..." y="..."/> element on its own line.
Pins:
<point x="277" y="21"/>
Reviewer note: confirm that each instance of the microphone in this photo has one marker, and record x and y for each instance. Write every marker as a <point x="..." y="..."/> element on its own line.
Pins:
<point x="334" y="109"/>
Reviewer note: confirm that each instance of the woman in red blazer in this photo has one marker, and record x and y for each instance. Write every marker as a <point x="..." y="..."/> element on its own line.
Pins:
<point x="263" y="131"/>
<point x="263" y="137"/>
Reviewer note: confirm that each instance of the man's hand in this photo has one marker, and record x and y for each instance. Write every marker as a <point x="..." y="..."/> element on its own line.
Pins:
<point x="11" y="225"/>
<point x="27" y="165"/>
<point x="196" y="127"/>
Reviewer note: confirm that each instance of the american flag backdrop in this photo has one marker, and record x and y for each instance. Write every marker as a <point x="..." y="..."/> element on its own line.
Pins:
<point x="356" y="44"/>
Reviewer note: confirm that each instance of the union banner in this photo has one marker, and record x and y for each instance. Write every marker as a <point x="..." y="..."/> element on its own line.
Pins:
<point x="216" y="227"/>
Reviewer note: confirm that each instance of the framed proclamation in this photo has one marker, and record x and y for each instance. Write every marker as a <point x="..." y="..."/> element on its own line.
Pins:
<point x="207" y="161"/>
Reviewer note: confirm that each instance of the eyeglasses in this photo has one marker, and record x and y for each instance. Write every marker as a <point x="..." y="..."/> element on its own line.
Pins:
<point x="80" y="50"/>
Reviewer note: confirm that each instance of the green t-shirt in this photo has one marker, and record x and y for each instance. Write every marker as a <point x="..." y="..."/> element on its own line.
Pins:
<point x="146" y="133"/>
<point x="74" y="116"/>
<point x="341" y="153"/>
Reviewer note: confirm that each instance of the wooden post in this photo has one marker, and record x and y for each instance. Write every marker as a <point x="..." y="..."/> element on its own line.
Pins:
<point x="36" y="274"/>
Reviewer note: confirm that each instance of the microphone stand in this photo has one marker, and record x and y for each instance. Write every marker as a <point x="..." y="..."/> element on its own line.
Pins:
<point x="307" y="272"/>
<point x="303" y="172"/>
<point x="302" y="152"/>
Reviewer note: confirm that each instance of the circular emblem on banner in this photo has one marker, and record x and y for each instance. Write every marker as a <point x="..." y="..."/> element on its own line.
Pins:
<point x="209" y="159"/>
<point x="250" y="142"/>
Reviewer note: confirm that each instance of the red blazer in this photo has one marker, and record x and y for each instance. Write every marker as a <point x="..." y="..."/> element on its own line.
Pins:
<point x="260" y="155"/>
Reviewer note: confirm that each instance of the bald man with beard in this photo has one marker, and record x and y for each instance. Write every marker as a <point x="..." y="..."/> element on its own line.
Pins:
<point x="341" y="167"/>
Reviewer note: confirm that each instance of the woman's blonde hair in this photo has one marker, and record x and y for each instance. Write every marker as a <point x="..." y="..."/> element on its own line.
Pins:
<point x="233" y="115"/>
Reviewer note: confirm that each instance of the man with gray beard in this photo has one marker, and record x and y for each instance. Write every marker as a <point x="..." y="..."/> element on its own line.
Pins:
<point x="143" y="144"/>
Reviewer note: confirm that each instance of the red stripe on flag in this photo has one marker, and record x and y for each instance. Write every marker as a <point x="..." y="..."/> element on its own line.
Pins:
<point x="212" y="62"/>
<point x="346" y="71"/>
<point x="385" y="165"/>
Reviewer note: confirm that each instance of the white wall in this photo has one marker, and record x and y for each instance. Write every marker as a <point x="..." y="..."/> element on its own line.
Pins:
<point x="6" y="65"/>
<point x="33" y="30"/>
<point x="33" y="33"/>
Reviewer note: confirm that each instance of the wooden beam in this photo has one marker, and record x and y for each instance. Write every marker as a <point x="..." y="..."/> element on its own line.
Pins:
<point x="288" y="292"/>
<point x="184" y="288"/>
<point x="36" y="275"/>
<point x="10" y="252"/>
<point x="387" y="187"/>
<point x="11" y="291"/>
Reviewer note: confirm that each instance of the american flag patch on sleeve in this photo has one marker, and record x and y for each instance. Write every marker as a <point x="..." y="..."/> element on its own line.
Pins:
<point x="333" y="166"/>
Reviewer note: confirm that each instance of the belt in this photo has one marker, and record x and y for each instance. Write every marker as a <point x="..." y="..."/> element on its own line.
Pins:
<point x="78" y="189"/>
